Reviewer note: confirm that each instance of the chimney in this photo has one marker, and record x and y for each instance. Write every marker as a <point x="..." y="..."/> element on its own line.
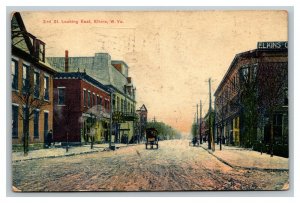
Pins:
<point x="66" y="61"/>
<point x="129" y="80"/>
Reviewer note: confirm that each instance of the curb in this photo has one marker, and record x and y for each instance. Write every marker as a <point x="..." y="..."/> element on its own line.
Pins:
<point x="59" y="156"/>
<point x="246" y="168"/>
<point x="71" y="154"/>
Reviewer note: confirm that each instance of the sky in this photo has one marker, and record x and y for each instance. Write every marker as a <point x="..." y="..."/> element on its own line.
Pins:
<point x="170" y="54"/>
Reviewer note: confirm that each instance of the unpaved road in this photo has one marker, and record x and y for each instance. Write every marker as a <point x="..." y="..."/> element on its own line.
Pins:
<point x="174" y="166"/>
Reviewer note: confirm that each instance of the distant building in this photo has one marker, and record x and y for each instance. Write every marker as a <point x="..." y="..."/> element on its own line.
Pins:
<point x="81" y="109"/>
<point x="142" y="124"/>
<point x="32" y="86"/>
<point x="113" y="74"/>
<point x="252" y="97"/>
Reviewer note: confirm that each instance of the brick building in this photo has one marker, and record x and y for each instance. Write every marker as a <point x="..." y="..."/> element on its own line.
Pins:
<point x="32" y="87"/>
<point x="252" y="97"/>
<point x="113" y="74"/>
<point x="81" y="109"/>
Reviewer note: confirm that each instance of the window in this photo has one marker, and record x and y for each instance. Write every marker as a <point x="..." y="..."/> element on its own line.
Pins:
<point x="97" y="100"/>
<point x="84" y="98"/>
<point x="245" y="73"/>
<point x="61" y="96"/>
<point x="46" y="124"/>
<point x="254" y="74"/>
<point x="114" y="101"/>
<point x="89" y="99"/>
<point x="25" y="78"/>
<point x="122" y="105"/>
<point x="36" y="123"/>
<point x="100" y="103"/>
<point x="15" y="110"/>
<point x="94" y="100"/>
<point x="14" y="74"/>
<point x="118" y="104"/>
<point x="46" y="88"/>
<point x="36" y="81"/>
<point x="106" y="105"/>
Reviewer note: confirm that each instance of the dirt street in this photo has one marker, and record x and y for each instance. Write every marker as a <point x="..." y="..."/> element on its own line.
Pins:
<point x="174" y="166"/>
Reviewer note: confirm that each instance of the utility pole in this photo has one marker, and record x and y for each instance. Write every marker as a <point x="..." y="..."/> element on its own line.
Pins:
<point x="197" y="125"/>
<point x="211" y="138"/>
<point x="200" y="124"/>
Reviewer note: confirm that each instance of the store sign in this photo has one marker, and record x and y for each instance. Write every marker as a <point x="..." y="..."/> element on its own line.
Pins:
<point x="272" y="45"/>
<point x="118" y="117"/>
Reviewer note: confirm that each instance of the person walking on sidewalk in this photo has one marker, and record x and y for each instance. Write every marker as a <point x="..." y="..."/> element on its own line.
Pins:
<point x="49" y="138"/>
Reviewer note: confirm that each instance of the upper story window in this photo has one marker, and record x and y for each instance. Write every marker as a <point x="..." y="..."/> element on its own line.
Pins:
<point x="61" y="95"/>
<point x="39" y="49"/>
<point x="46" y="88"/>
<point x="84" y="98"/>
<point x="245" y="73"/>
<point x="114" y="102"/>
<point x="254" y="74"/>
<point x="94" y="100"/>
<point x="122" y="105"/>
<point x="118" y="104"/>
<point x="25" y="78"/>
<point x="36" y="81"/>
<point x="14" y="74"/>
<point x="89" y="99"/>
<point x="97" y="101"/>
<point x="106" y="104"/>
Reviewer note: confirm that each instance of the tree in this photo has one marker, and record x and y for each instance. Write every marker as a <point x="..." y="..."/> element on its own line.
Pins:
<point x="165" y="132"/>
<point x="248" y="104"/>
<point x="273" y="83"/>
<point x="194" y="130"/>
<point x="31" y="99"/>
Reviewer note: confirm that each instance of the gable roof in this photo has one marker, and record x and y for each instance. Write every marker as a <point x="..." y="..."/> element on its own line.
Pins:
<point x="22" y="43"/>
<point x="143" y="108"/>
<point x="19" y="34"/>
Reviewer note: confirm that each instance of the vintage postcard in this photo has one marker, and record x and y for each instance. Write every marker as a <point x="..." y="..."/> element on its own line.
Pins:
<point x="149" y="101"/>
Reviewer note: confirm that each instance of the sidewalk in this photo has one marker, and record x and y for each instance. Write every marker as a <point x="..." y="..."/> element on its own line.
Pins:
<point x="59" y="151"/>
<point x="242" y="158"/>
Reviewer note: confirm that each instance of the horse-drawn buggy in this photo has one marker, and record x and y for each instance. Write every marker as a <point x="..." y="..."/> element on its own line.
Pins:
<point x="151" y="138"/>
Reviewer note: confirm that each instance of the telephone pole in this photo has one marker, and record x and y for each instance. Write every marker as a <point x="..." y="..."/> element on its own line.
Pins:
<point x="200" y="124"/>
<point x="197" y="125"/>
<point x="211" y="138"/>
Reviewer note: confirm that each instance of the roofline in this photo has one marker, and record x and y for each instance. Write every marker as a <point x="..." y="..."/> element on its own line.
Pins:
<point x="232" y="64"/>
<point x="117" y="90"/>
<point x="83" y="75"/>
<point x="18" y="52"/>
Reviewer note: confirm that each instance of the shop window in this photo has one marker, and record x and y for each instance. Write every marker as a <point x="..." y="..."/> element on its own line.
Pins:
<point x="15" y="111"/>
<point x="36" y="123"/>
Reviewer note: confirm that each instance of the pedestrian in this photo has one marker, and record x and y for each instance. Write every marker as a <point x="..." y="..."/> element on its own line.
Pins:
<point x="49" y="138"/>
